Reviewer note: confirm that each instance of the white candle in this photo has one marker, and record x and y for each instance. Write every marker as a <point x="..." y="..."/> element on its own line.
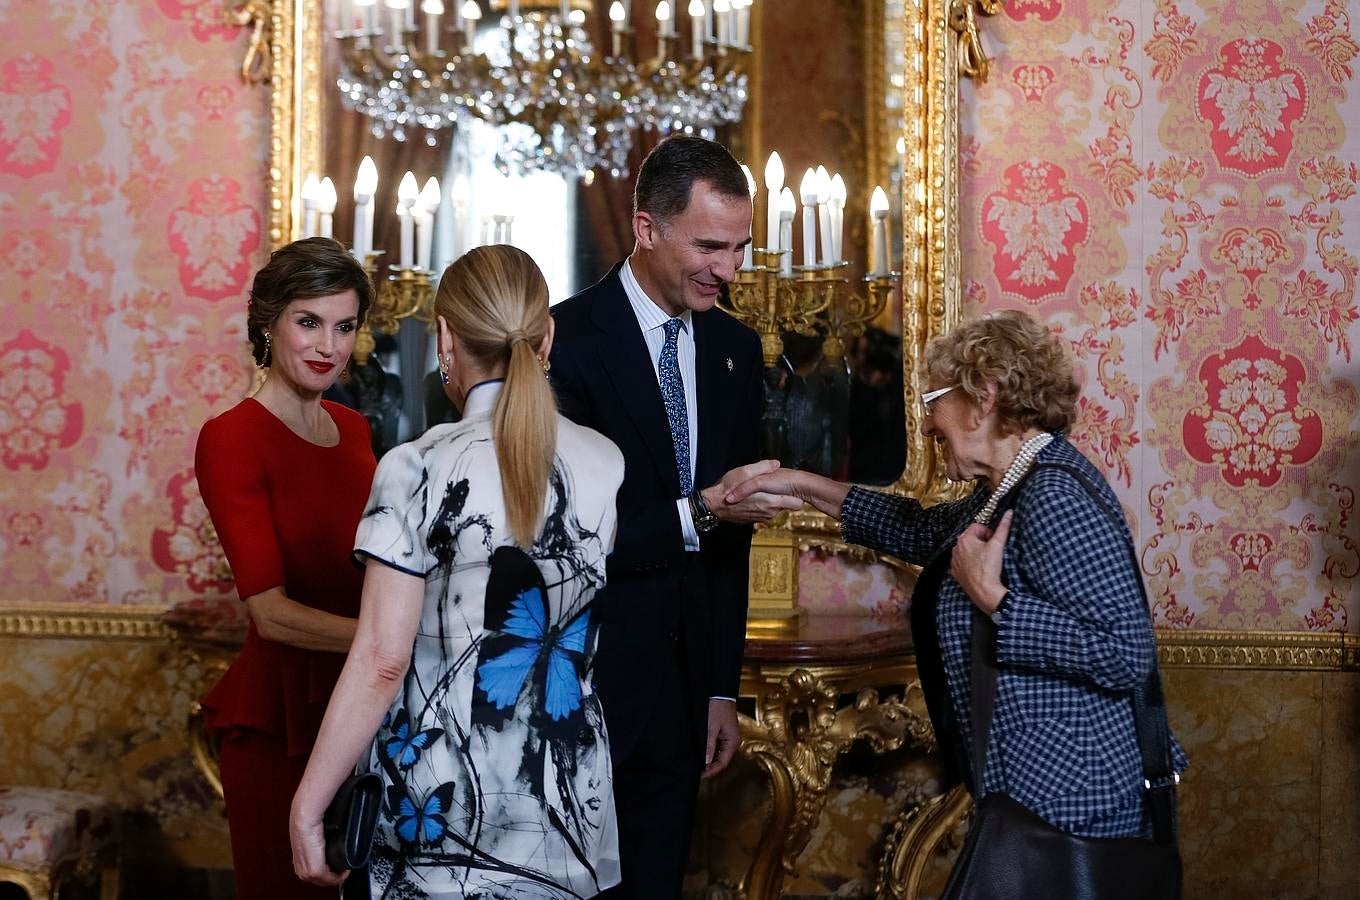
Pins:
<point x="824" y="215"/>
<point x="774" y="180"/>
<point x="407" y="194"/>
<point x="787" y="207"/>
<point x="746" y="261"/>
<point x="743" y="13"/>
<point x="471" y="13"/>
<point x="509" y="221"/>
<point x="309" y="191"/>
<point x="514" y="11"/>
<point x="616" y="18"/>
<point x="878" y="214"/>
<point x="837" y="216"/>
<point x="807" y="192"/>
<point x="664" y="27"/>
<point x="325" y="205"/>
<point x="365" y="185"/>
<point x="459" y="194"/>
<point x="566" y="13"/>
<point x="396" y="16"/>
<point x="709" y="34"/>
<point x="486" y="230"/>
<point x="696" y="15"/>
<point x="363" y="10"/>
<point x="722" y="10"/>
<point x="433" y="9"/>
<point x="426" y="206"/>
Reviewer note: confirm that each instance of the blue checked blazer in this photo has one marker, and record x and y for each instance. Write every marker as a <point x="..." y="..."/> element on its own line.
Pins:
<point x="1074" y="640"/>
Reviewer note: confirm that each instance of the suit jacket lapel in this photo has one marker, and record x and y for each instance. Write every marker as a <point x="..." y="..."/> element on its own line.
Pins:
<point x="625" y="358"/>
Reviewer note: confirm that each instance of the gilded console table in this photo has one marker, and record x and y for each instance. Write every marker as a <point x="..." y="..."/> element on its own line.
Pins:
<point x="816" y="690"/>
<point x="211" y="633"/>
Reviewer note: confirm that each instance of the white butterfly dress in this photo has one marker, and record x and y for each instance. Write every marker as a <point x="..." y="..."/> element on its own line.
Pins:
<point x="494" y="755"/>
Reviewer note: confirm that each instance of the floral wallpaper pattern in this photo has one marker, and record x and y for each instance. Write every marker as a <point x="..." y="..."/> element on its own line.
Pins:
<point x="1169" y="185"/>
<point x="132" y="166"/>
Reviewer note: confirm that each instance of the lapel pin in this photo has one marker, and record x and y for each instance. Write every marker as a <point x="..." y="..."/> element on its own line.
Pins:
<point x="729" y="363"/>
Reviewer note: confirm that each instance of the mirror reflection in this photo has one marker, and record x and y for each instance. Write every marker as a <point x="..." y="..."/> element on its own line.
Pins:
<point x="449" y="125"/>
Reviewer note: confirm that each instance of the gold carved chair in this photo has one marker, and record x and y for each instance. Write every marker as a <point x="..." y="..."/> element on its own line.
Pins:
<point x="50" y="837"/>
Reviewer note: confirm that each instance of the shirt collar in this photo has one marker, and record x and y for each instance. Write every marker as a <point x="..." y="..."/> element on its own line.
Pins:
<point x="649" y="315"/>
<point x="481" y="398"/>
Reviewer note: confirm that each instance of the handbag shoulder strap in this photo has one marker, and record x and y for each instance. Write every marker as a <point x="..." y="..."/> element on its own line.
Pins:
<point x="1149" y="704"/>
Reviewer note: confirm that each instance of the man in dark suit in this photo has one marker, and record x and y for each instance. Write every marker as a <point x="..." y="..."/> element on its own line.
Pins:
<point x="645" y="358"/>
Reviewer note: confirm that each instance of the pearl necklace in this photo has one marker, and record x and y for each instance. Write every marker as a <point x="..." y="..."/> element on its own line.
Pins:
<point x="1019" y="466"/>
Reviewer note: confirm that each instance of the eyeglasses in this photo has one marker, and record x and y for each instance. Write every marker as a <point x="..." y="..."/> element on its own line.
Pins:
<point x="929" y="397"/>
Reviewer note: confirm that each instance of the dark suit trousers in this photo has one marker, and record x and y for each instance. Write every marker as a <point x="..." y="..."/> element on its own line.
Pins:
<point x="658" y="751"/>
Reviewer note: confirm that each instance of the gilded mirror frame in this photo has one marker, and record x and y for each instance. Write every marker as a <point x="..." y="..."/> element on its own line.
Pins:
<point x="941" y="45"/>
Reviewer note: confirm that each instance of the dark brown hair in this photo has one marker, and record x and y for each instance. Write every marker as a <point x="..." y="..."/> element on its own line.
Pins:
<point x="667" y="176"/>
<point x="311" y="267"/>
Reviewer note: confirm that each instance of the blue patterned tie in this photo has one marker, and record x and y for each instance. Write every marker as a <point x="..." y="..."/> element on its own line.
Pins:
<point x="673" y="392"/>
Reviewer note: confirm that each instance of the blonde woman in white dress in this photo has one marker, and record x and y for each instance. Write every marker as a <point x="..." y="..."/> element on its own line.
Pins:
<point x="468" y="686"/>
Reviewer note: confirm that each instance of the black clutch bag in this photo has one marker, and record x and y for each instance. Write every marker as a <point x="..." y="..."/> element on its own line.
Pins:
<point x="351" y="820"/>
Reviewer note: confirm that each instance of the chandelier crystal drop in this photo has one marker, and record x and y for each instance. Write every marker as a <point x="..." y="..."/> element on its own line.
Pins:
<point x="559" y="104"/>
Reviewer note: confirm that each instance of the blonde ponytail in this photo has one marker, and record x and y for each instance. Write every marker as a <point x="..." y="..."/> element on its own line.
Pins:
<point x="495" y="299"/>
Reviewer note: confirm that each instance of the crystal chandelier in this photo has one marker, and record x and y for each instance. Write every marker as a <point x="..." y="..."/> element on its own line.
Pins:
<point x="559" y="104"/>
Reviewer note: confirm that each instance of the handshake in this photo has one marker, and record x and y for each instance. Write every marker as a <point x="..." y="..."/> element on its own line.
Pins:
<point x="754" y="493"/>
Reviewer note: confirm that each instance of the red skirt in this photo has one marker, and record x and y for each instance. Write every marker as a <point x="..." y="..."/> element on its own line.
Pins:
<point x="259" y="779"/>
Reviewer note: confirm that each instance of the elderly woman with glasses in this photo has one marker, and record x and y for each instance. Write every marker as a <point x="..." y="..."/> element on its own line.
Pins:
<point x="1038" y="559"/>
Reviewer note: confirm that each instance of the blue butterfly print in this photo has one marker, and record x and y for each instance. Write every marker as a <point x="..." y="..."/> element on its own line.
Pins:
<point x="403" y="747"/>
<point x="425" y="824"/>
<point x="502" y="678"/>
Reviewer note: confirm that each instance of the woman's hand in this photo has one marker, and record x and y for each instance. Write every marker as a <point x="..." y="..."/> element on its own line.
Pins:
<point x="976" y="564"/>
<point x="309" y="850"/>
<point x="825" y="494"/>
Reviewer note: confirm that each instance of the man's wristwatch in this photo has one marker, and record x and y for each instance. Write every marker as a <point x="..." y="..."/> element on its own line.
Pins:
<point x="704" y="520"/>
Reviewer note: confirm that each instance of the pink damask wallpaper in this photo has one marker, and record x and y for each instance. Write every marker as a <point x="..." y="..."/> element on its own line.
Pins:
<point x="132" y="164"/>
<point x="1172" y="187"/>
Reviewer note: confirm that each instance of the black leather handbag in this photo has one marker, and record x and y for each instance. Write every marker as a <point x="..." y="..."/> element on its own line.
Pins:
<point x="350" y="821"/>
<point x="1011" y="853"/>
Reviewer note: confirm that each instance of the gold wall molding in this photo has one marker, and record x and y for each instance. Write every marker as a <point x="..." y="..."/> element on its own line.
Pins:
<point x="1176" y="648"/>
<point x="81" y="620"/>
<point x="1291" y="650"/>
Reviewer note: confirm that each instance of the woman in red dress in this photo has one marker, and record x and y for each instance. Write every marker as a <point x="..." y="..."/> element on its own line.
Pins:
<point x="285" y="476"/>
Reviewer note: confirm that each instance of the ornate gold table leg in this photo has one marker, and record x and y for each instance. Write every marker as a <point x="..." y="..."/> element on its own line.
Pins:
<point x="799" y="730"/>
<point x="917" y="835"/>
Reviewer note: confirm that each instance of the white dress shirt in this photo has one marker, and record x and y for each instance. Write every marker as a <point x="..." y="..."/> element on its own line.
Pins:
<point x="652" y="320"/>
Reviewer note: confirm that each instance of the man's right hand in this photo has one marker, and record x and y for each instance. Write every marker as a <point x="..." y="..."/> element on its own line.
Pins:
<point x="754" y="507"/>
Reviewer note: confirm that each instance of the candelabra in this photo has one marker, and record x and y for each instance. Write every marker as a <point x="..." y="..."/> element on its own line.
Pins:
<point x="560" y="105"/>
<point x="405" y="293"/>
<point x="811" y="301"/>
<point x="775" y="299"/>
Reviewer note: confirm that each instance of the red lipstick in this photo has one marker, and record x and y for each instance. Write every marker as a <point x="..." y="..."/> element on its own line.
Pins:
<point x="320" y="368"/>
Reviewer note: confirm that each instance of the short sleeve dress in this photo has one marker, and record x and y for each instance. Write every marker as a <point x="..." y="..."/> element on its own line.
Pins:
<point x="494" y="755"/>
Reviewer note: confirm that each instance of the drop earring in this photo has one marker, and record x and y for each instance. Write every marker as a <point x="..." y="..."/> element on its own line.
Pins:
<point x="264" y="364"/>
<point x="444" y="369"/>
